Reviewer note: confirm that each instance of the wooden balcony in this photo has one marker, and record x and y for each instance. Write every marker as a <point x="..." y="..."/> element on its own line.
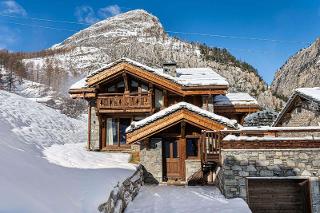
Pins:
<point x="124" y="102"/>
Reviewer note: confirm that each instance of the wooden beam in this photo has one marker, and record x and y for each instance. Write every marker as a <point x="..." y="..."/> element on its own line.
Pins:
<point x="89" y="126"/>
<point x="126" y="83"/>
<point x="183" y="129"/>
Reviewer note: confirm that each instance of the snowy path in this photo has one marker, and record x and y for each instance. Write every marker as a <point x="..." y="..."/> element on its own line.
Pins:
<point x="178" y="199"/>
<point x="75" y="155"/>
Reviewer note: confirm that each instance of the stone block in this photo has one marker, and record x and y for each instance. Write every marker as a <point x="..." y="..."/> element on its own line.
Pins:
<point x="266" y="173"/>
<point x="262" y="163"/>
<point x="236" y="168"/>
<point x="303" y="156"/>
<point x="251" y="168"/>
<point x="291" y="163"/>
<point x="243" y="173"/>
<point x="305" y="173"/>
<point x="277" y="161"/>
<point x="244" y="162"/>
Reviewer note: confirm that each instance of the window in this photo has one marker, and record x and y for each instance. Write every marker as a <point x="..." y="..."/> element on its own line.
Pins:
<point x="192" y="147"/>
<point x="116" y="130"/>
<point x="112" y="89"/>
<point x="158" y="99"/>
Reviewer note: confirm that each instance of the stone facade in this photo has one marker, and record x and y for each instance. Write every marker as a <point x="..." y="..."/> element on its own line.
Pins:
<point x="192" y="166"/>
<point x="240" y="164"/>
<point x="95" y="134"/>
<point x="124" y="193"/>
<point x="151" y="159"/>
<point x="300" y="118"/>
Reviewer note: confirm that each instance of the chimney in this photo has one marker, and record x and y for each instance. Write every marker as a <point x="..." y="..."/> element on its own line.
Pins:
<point x="170" y="68"/>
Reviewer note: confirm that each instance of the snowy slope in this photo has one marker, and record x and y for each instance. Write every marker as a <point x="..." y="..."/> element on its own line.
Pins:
<point x="29" y="182"/>
<point x="163" y="199"/>
<point x="38" y="124"/>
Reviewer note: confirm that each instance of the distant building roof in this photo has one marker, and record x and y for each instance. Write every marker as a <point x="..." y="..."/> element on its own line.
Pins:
<point x="261" y="118"/>
<point x="310" y="94"/>
<point x="232" y="99"/>
<point x="185" y="76"/>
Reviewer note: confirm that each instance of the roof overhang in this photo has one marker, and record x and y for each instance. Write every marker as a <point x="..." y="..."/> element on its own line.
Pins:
<point x="110" y="72"/>
<point x="172" y="119"/>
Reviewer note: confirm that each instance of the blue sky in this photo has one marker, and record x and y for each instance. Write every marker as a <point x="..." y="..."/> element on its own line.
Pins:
<point x="288" y="25"/>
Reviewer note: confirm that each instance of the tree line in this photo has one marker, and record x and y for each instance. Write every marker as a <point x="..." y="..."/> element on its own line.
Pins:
<point x="47" y="71"/>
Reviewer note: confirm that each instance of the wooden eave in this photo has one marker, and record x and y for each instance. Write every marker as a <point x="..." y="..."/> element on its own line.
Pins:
<point x="83" y="93"/>
<point x="237" y="108"/>
<point x="155" y="79"/>
<point x="170" y="120"/>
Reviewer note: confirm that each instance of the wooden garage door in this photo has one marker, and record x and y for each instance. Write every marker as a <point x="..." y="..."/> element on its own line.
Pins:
<point x="279" y="195"/>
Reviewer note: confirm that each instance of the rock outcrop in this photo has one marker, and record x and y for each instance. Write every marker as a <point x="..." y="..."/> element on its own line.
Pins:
<point x="301" y="70"/>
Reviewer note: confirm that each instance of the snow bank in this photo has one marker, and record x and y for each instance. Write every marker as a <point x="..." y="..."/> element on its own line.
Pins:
<point x="162" y="199"/>
<point x="178" y="106"/>
<point x="76" y="156"/>
<point x="28" y="182"/>
<point x="38" y="124"/>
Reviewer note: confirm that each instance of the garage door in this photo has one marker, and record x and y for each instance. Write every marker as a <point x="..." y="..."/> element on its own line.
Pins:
<point x="279" y="195"/>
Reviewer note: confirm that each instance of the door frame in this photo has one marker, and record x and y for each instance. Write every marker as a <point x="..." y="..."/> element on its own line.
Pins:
<point x="181" y="149"/>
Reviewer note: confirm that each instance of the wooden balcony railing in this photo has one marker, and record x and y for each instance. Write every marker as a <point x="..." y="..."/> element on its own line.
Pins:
<point x="124" y="102"/>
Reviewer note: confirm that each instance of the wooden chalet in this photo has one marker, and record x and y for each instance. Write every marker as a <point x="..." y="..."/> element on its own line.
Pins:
<point x="160" y="112"/>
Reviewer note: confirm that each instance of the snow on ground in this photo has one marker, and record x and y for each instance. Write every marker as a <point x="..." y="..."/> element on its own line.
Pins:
<point x="38" y="124"/>
<point x="176" y="199"/>
<point x="28" y="181"/>
<point x="76" y="156"/>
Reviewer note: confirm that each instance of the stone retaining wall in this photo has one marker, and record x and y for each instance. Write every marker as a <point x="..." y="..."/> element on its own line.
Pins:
<point x="192" y="166"/>
<point x="123" y="193"/>
<point x="238" y="164"/>
<point x="151" y="159"/>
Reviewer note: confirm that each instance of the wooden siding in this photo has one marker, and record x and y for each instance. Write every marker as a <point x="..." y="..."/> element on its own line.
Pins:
<point x="279" y="195"/>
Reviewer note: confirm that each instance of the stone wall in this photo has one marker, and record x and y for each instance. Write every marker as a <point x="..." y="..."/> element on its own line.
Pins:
<point x="238" y="164"/>
<point x="95" y="134"/>
<point x="192" y="166"/>
<point x="123" y="193"/>
<point x="151" y="159"/>
<point x="302" y="118"/>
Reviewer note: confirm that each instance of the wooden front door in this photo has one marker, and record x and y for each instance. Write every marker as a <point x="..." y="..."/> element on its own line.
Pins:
<point x="172" y="160"/>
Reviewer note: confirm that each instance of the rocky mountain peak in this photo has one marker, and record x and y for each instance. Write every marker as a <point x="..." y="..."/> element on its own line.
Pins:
<point x="135" y="23"/>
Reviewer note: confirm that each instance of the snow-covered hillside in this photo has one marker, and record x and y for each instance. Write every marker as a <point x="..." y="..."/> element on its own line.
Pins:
<point x="29" y="182"/>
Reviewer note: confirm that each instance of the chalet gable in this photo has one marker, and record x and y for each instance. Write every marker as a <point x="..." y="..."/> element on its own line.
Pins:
<point x="307" y="98"/>
<point x="188" y="81"/>
<point x="174" y="114"/>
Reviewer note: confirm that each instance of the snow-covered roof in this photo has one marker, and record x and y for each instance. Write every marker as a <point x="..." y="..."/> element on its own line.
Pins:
<point x="178" y="106"/>
<point x="79" y="84"/>
<point x="231" y="99"/>
<point x="280" y="128"/>
<point x="312" y="93"/>
<point x="185" y="76"/>
<point x="267" y="138"/>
